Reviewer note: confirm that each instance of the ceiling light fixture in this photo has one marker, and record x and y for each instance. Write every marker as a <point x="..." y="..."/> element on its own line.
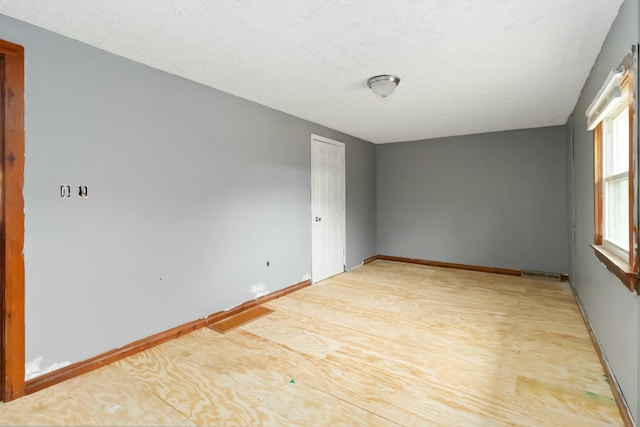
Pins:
<point x="383" y="85"/>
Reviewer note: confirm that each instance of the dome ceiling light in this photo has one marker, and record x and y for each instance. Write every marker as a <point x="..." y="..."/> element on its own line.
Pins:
<point x="383" y="85"/>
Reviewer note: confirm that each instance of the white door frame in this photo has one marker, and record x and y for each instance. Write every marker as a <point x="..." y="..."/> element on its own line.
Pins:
<point x="342" y="145"/>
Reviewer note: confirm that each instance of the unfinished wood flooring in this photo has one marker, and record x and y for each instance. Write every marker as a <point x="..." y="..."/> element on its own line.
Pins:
<point x="388" y="344"/>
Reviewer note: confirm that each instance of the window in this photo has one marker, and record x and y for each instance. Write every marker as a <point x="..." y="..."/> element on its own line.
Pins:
<point x="611" y="117"/>
<point x="615" y="178"/>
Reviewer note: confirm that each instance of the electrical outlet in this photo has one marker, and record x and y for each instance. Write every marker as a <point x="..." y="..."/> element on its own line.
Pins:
<point x="268" y="263"/>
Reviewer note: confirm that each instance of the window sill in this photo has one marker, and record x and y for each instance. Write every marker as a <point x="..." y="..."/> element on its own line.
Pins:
<point x="618" y="266"/>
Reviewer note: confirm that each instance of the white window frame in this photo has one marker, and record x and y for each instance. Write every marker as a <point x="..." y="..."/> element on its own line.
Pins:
<point x="619" y="106"/>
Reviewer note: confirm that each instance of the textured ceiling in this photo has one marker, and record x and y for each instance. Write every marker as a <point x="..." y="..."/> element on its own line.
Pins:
<point x="467" y="66"/>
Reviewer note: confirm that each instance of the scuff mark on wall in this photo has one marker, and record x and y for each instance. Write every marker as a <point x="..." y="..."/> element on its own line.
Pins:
<point x="259" y="290"/>
<point x="32" y="369"/>
<point x="357" y="266"/>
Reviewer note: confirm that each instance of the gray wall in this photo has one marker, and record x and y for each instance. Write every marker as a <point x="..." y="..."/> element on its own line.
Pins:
<point x="191" y="190"/>
<point x="610" y="307"/>
<point x="495" y="199"/>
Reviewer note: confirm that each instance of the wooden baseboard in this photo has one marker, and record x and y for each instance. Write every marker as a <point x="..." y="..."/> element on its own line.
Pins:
<point x="370" y="259"/>
<point x="611" y="379"/>
<point x="480" y="268"/>
<point x="79" y="368"/>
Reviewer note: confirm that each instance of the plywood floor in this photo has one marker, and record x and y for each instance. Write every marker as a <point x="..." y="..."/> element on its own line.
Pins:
<point x="388" y="344"/>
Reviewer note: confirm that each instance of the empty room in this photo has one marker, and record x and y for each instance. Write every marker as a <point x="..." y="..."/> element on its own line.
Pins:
<point x="410" y="213"/>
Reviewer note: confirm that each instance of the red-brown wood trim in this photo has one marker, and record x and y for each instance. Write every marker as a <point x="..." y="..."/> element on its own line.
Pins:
<point x="625" y="413"/>
<point x="479" y="268"/>
<point x="370" y="259"/>
<point x="79" y="368"/>
<point x="114" y="355"/>
<point x="597" y="184"/>
<point x="283" y="292"/>
<point x="12" y="222"/>
<point x="619" y="269"/>
<point x="625" y="270"/>
<point x="633" y="231"/>
<point x="505" y="271"/>
<point x="11" y="49"/>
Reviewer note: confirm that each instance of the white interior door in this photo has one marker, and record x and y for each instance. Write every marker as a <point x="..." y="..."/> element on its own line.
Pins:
<point x="327" y="208"/>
